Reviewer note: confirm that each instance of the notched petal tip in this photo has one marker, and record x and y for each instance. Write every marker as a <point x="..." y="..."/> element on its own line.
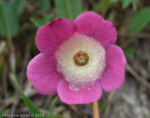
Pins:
<point x="55" y="20"/>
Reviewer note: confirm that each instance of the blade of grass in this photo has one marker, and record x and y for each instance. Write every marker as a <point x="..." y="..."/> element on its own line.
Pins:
<point x="32" y="108"/>
<point x="3" y="112"/>
<point x="45" y="5"/>
<point x="52" y="104"/>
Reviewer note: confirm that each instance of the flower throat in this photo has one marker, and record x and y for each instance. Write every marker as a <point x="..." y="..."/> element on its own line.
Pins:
<point x="81" y="58"/>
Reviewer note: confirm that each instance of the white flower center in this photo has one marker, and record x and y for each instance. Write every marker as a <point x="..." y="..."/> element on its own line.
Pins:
<point x="81" y="60"/>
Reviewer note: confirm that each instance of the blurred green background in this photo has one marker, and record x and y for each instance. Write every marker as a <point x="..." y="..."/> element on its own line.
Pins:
<point x="19" y="21"/>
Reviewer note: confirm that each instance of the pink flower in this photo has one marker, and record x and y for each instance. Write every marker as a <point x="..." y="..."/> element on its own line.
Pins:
<point x="78" y="59"/>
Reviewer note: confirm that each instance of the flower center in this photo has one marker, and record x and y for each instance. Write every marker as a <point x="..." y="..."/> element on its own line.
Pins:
<point x="81" y="58"/>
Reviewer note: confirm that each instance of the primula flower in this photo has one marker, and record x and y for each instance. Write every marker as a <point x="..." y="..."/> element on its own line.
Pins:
<point x="78" y="59"/>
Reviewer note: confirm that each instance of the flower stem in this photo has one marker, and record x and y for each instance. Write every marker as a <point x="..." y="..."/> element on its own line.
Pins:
<point x="95" y="110"/>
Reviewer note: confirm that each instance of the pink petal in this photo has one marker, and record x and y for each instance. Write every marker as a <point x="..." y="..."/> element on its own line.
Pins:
<point x="84" y="96"/>
<point x="93" y="25"/>
<point x="41" y="71"/>
<point x="50" y="36"/>
<point x="113" y="76"/>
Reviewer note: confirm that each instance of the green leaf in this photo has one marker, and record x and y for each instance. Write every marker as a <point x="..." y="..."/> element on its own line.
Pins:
<point x="45" y="5"/>
<point x="9" y="13"/>
<point x="3" y="112"/>
<point x="139" y="20"/>
<point x="104" y="4"/>
<point x="68" y="8"/>
<point x="101" y="106"/>
<point x="40" y="22"/>
<point x="12" y="20"/>
<point x="125" y="3"/>
<point x="32" y="108"/>
<point x="17" y="6"/>
<point x="9" y="22"/>
<point x="4" y="26"/>
<point x="135" y="3"/>
<point x="128" y="52"/>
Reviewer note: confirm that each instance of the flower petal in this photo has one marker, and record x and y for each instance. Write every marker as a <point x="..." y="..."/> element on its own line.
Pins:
<point x="92" y="24"/>
<point x="113" y="76"/>
<point x="41" y="71"/>
<point x="50" y="36"/>
<point x="83" y="96"/>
